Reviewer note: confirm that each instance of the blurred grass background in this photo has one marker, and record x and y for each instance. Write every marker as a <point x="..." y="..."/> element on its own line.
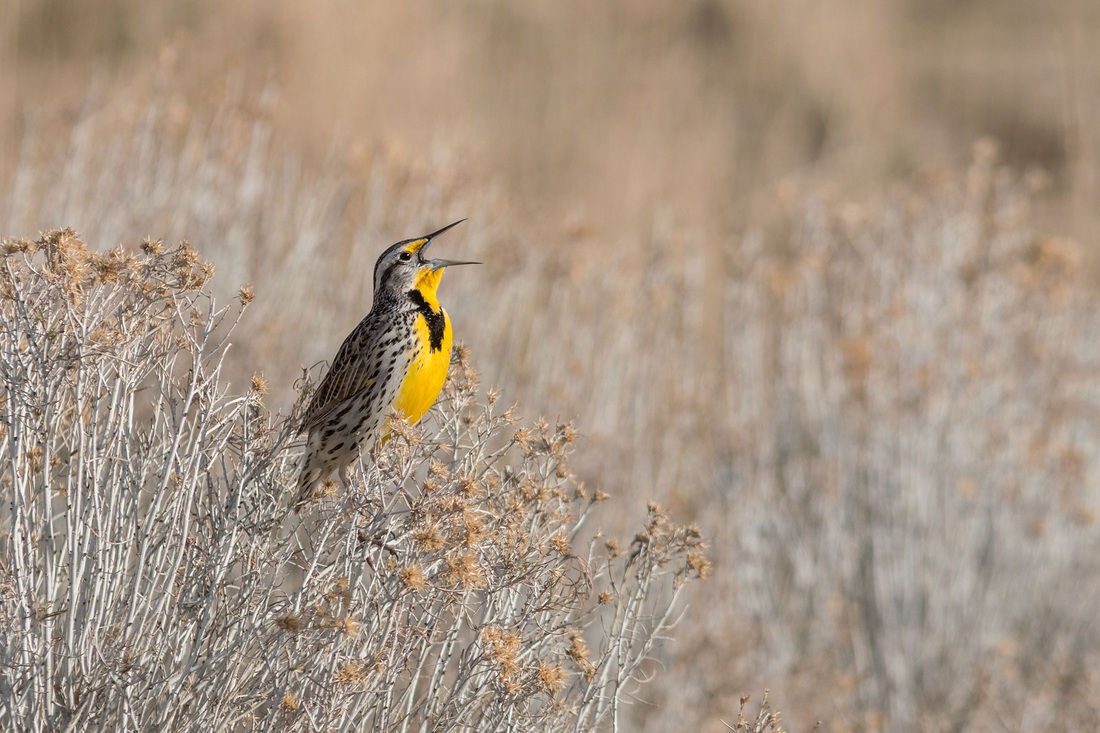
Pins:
<point x="749" y="245"/>
<point x="605" y="116"/>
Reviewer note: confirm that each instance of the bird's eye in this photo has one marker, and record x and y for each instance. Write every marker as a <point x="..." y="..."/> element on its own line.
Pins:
<point x="406" y="256"/>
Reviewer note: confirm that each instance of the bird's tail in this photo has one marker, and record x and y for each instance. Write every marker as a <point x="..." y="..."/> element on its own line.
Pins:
<point x="308" y="482"/>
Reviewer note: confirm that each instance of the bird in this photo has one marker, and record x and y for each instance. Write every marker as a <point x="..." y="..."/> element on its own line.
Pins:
<point x="396" y="358"/>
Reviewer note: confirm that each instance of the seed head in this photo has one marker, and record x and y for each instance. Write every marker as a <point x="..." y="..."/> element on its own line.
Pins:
<point x="699" y="564"/>
<point x="469" y="487"/>
<point x="184" y="257"/>
<point x="504" y="647"/>
<point x="578" y="651"/>
<point x="525" y="440"/>
<point x="259" y="384"/>
<point x="464" y="569"/>
<point x="15" y="245"/>
<point x="550" y="676"/>
<point x="412" y="577"/>
<point x="353" y="672"/>
<point x="560" y="544"/>
<point x="474" y="529"/>
<point x="428" y="538"/>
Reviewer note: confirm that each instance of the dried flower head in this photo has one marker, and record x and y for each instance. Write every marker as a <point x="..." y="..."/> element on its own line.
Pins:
<point x="699" y="564"/>
<point x="560" y="543"/>
<point x="469" y="487"/>
<point x="428" y="538"/>
<point x="464" y="569"/>
<point x="473" y="529"/>
<point x="579" y="652"/>
<point x="353" y="672"/>
<point x="258" y="383"/>
<point x="412" y="577"/>
<point x="19" y="245"/>
<point x="504" y="648"/>
<point x="399" y="427"/>
<point x="185" y="257"/>
<point x="289" y="702"/>
<point x="550" y="676"/>
<point x="525" y="440"/>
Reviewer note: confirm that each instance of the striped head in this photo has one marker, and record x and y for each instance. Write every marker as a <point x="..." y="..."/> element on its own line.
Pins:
<point x="403" y="268"/>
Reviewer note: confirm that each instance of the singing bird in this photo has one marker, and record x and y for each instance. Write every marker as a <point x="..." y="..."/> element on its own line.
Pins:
<point x="397" y="357"/>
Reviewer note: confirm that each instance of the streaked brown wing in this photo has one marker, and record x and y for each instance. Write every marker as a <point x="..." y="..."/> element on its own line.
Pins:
<point x="350" y="372"/>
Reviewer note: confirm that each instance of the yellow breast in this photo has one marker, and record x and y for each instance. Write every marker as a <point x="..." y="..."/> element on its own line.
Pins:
<point x="427" y="371"/>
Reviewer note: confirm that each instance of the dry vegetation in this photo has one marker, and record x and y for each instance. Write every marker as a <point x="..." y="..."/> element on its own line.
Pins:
<point x="154" y="578"/>
<point x="808" y="313"/>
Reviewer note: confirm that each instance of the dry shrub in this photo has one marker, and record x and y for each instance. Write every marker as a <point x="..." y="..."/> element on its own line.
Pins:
<point x="910" y="492"/>
<point x="153" y="577"/>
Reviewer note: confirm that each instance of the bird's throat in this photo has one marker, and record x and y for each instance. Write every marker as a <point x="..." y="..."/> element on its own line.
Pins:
<point x="427" y="281"/>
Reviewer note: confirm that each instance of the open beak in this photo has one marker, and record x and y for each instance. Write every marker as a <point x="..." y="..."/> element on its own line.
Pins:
<point x="440" y="264"/>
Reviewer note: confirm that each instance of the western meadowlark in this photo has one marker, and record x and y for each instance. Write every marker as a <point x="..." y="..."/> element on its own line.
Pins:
<point x="397" y="357"/>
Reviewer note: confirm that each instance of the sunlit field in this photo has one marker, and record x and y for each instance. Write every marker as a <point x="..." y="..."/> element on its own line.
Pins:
<point x="816" y="288"/>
